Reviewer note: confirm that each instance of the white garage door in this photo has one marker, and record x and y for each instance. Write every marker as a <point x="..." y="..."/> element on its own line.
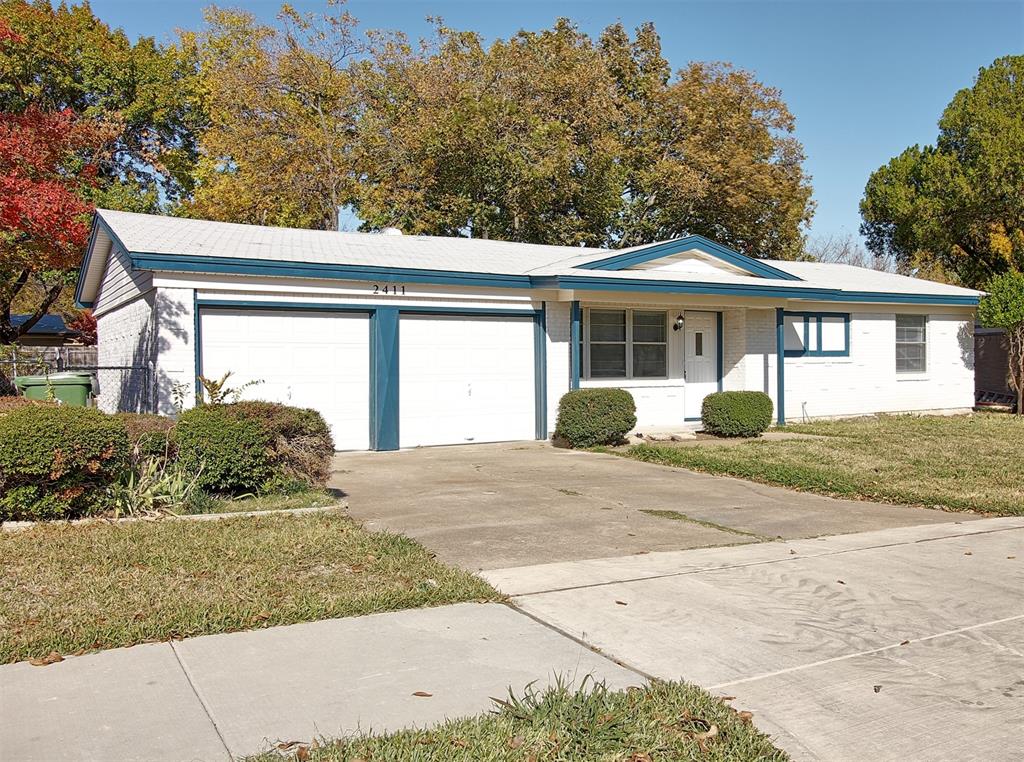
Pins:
<point x="465" y="379"/>
<point x="308" y="359"/>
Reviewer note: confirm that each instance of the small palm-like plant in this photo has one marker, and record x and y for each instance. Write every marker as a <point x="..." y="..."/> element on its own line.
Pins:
<point x="217" y="392"/>
<point x="154" y="489"/>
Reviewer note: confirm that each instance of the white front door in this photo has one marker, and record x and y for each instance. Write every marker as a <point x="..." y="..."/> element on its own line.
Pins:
<point x="307" y="359"/>
<point x="700" y="359"/>
<point x="465" y="379"/>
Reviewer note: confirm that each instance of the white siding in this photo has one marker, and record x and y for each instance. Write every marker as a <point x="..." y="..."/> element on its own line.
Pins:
<point x="126" y="338"/>
<point x="120" y="284"/>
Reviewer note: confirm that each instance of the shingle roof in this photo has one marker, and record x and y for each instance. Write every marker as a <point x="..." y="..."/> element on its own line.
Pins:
<point x="52" y="325"/>
<point x="152" y="234"/>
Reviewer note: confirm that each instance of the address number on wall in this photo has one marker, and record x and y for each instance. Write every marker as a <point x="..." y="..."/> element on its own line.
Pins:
<point x="389" y="290"/>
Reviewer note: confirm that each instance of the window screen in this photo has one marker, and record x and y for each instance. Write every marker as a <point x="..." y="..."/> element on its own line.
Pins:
<point x="911" y="343"/>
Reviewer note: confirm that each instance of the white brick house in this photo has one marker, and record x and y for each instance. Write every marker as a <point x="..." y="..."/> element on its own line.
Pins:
<point x="412" y="340"/>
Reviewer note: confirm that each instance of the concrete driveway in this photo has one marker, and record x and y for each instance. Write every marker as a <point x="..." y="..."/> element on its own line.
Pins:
<point x="898" y="644"/>
<point x="519" y="504"/>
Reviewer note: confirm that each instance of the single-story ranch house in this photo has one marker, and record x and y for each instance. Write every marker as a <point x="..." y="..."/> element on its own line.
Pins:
<point x="403" y="340"/>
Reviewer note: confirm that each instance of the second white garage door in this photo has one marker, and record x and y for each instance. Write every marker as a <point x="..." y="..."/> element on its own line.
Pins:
<point x="465" y="379"/>
<point x="309" y="359"/>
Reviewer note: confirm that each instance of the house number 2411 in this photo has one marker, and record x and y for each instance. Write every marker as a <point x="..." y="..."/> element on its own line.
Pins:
<point x="389" y="290"/>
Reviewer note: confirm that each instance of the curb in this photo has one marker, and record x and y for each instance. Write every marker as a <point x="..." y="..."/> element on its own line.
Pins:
<point x="18" y="526"/>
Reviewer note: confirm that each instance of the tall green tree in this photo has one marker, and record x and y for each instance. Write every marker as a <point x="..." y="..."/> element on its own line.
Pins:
<point x="958" y="206"/>
<point x="282" y="117"/>
<point x="518" y="141"/>
<point x="551" y="137"/>
<point x="710" y="151"/>
<point x="64" y="57"/>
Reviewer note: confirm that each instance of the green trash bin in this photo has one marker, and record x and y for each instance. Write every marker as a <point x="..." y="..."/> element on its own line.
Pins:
<point x="69" y="388"/>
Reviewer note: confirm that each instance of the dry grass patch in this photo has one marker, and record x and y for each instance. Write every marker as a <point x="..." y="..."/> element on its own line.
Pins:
<point x="71" y="588"/>
<point x="970" y="462"/>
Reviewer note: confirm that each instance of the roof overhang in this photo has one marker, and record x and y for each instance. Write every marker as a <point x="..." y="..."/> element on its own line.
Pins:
<point x="688" y="243"/>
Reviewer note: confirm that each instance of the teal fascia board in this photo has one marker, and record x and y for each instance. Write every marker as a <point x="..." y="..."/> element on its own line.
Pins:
<point x="271" y="268"/>
<point x="690" y="243"/>
<point x="780" y="365"/>
<point x="584" y="283"/>
<point x="384" y="398"/>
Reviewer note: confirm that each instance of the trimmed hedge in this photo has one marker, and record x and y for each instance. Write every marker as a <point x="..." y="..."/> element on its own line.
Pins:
<point x="56" y="462"/>
<point x="737" y="414"/>
<point x="10" y="403"/>
<point x="590" y="417"/>
<point x="301" y="442"/>
<point x="231" y="454"/>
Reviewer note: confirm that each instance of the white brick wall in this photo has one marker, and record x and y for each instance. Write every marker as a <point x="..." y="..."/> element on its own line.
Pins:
<point x="558" y="318"/>
<point x="175" y="328"/>
<point x="867" y="382"/>
<point x="126" y="338"/>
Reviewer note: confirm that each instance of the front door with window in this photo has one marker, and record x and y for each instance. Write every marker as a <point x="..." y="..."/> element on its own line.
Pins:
<point x="700" y="359"/>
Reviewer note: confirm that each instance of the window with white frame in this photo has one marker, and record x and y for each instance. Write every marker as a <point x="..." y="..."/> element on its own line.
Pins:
<point x="911" y="343"/>
<point x="627" y="343"/>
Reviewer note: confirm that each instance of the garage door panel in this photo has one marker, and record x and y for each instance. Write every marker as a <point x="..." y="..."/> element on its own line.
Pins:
<point x="316" y="360"/>
<point x="466" y="379"/>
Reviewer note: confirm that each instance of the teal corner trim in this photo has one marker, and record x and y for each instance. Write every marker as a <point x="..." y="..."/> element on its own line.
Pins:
<point x="574" y="350"/>
<point x="689" y="243"/>
<point x="540" y="370"/>
<point x="780" y="365"/>
<point x="196" y="339"/>
<point x="719" y="322"/>
<point x="384" y="378"/>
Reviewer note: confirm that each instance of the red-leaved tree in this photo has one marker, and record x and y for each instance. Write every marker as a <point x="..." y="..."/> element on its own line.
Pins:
<point x="48" y="165"/>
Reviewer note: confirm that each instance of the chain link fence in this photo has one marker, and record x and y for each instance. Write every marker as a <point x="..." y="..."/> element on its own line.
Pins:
<point x="131" y="385"/>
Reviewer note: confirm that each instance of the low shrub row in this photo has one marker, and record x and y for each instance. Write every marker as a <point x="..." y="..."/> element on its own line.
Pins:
<point x="59" y="462"/>
<point x="592" y="417"/>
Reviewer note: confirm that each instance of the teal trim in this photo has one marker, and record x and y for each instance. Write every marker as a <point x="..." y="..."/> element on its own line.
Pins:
<point x="691" y="420"/>
<point x="583" y="283"/>
<point x="689" y="243"/>
<point x="540" y="371"/>
<point x="780" y="365"/>
<point x="198" y="348"/>
<point x="385" y="351"/>
<point x="816" y="318"/>
<point x="721" y="343"/>
<point x="384" y="369"/>
<point x="575" y="336"/>
<point x="239" y="266"/>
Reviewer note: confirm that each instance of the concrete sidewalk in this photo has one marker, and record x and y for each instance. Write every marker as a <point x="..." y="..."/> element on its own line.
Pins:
<point x="897" y="644"/>
<point x="227" y="696"/>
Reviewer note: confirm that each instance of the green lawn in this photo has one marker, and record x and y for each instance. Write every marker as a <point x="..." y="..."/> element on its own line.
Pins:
<point x="666" y="721"/>
<point x="969" y="462"/>
<point x="67" y="588"/>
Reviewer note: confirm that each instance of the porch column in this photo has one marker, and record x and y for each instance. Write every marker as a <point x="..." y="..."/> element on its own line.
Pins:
<point x="780" y="365"/>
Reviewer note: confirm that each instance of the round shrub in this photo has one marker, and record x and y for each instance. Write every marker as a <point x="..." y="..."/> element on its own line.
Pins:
<point x="736" y="414"/>
<point x="56" y="462"/>
<point x="301" y="443"/>
<point x="149" y="436"/>
<point x="10" y="403"/>
<point x="231" y="454"/>
<point x="590" y="417"/>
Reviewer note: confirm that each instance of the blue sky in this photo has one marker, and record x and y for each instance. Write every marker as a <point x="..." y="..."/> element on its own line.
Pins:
<point x="864" y="79"/>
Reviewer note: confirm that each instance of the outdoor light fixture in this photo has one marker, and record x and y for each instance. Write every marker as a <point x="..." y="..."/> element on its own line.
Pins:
<point x="679" y="322"/>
